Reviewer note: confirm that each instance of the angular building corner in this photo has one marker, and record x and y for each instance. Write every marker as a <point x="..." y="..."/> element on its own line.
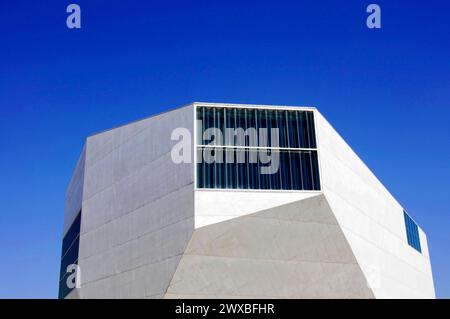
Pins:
<point x="139" y="225"/>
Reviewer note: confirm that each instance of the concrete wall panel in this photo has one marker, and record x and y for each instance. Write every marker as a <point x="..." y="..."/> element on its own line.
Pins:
<point x="372" y="221"/>
<point x="138" y="209"/>
<point x="214" y="206"/>
<point x="295" y="250"/>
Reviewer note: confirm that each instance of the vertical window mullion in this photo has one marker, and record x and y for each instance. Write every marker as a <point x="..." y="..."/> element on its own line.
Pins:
<point x="291" y="172"/>
<point x="256" y="166"/>
<point x="206" y="173"/>
<point x="236" y="121"/>
<point x="299" y="141"/>
<point x="199" y="171"/>
<point x="313" y="130"/>
<point x="316" y="171"/>
<point x="246" y="152"/>
<point x="308" y="131"/>
<point x="311" y="170"/>
<point x="267" y="177"/>
<point x="199" y="127"/>
<point x="225" y="167"/>
<point x="204" y="170"/>
<point x="286" y="120"/>
<point x="304" y="164"/>
<point x="283" y="167"/>
<point x="214" y="165"/>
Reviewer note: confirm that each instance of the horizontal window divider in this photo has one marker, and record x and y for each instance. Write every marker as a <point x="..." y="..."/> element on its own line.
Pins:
<point x="255" y="190"/>
<point x="257" y="147"/>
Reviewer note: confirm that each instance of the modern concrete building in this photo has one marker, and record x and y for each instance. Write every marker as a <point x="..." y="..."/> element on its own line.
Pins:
<point x="140" y="224"/>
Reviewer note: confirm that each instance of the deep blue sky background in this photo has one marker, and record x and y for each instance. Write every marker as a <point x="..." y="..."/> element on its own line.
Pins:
<point x="386" y="91"/>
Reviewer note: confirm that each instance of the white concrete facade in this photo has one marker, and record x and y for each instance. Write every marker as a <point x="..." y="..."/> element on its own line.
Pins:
<point x="148" y="232"/>
<point x="372" y="221"/>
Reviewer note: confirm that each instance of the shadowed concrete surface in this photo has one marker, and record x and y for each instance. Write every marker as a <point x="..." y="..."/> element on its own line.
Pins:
<point x="296" y="250"/>
<point x="137" y="209"/>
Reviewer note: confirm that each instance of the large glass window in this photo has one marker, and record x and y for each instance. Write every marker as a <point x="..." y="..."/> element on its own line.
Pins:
<point x="69" y="255"/>
<point x="256" y="149"/>
<point x="412" y="232"/>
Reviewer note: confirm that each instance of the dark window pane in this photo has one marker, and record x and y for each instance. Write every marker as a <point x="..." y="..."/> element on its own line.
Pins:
<point x="412" y="232"/>
<point x="311" y="130"/>
<point x="70" y="247"/>
<point x="70" y="257"/>
<point x="242" y="169"/>
<point x="71" y="234"/>
<point x="292" y="129"/>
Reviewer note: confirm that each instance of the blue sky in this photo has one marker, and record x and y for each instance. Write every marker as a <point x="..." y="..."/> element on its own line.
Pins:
<point x="386" y="91"/>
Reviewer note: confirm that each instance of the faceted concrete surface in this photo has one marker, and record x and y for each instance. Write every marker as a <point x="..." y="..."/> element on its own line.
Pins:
<point x="137" y="209"/>
<point x="296" y="250"/>
<point x="214" y="206"/>
<point x="372" y="220"/>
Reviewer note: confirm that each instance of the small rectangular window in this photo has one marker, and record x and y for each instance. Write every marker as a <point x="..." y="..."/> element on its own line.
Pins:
<point x="412" y="232"/>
